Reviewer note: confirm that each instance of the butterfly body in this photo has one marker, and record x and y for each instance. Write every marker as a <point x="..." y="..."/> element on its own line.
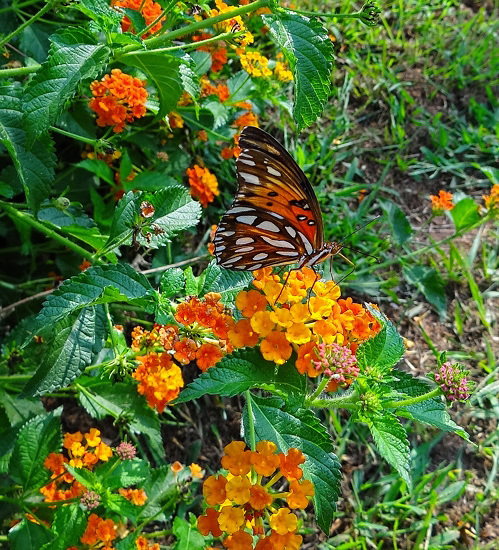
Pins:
<point x="275" y="218"/>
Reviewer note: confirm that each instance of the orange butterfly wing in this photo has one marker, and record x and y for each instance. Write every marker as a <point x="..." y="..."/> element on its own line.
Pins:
<point x="275" y="217"/>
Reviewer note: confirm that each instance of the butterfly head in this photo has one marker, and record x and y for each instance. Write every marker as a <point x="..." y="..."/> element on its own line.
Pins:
<point x="327" y="250"/>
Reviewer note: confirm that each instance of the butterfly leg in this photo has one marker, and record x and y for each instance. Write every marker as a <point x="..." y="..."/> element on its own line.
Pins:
<point x="284" y="285"/>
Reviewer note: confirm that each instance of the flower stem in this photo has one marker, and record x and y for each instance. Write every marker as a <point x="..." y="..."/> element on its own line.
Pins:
<point x="413" y="400"/>
<point x="19" y="71"/>
<point x="27" y="23"/>
<point x="319" y="390"/>
<point x="94" y="142"/>
<point x="28" y="219"/>
<point x="194" y="27"/>
<point x="251" y="421"/>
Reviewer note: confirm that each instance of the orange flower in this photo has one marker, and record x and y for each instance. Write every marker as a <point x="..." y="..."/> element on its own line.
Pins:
<point x="208" y="523"/>
<point x="299" y="493"/>
<point x="247" y="119"/>
<point x="98" y="530"/>
<point x="196" y="471"/>
<point x="149" y="10"/>
<point x="441" y="202"/>
<point x="185" y="351"/>
<point x="136" y="496"/>
<point x="236" y="459"/>
<point x="243" y="335"/>
<point x="492" y="200"/>
<point x="249" y="302"/>
<point x="203" y="183"/>
<point x="290" y="464"/>
<point x="208" y="355"/>
<point x="275" y="347"/>
<point x="202" y="135"/>
<point x="177" y="467"/>
<point x="84" y="265"/>
<point x="118" y="98"/>
<point x="214" y="490"/>
<point x="159" y="379"/>
<point x="218" y="59"/>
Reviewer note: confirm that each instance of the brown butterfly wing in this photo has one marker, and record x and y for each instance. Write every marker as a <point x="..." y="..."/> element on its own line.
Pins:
<point x="275" y="217"/>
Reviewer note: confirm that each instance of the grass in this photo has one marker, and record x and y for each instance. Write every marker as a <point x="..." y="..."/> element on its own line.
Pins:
<point x="415" y="110"/>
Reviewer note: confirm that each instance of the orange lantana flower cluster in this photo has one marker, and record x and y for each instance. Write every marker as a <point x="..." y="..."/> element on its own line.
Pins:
<point x="204" y="184"/>
<point x="118" y="98"/>
<point x="84" y="451"/>
<point x="149" y="10"/>
<point x="441" y="202"/>
<point x="239" y="501"/>
<point x="220" y="90"/>
<point x="492" y="200"/>
<point x="282" y="318"/>
<point x="201" y="336"/>
<point x="99" y="530"/>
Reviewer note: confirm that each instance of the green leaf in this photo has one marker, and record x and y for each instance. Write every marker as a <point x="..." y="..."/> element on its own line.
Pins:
<point x="174" y="211"/>
<point x="19" y="410"/>
<point x="123" y="474"/>
<point x="69" y="524"/>
<point x="236" y="373"/>
<point x="27" y="535"/>
<point x="100" y="284"/>
<point x="301" y="429"/>
<point x="73" y="215"/>
<point x="85" y="477"/>
<point x="121" y="505"/>
<point x="391" y="441"/>
<point x="150" y="181"/>
<point x="38" y="438"/>
<point x="465" y="213"/>
<point x="399" y="224"/>
<point x="240" y="87"/>
<point x="73" y="56"/>
<point x="35" y="166"/>
<point x="99" y="168"/>
<point x="161" y="488"/>
<point x="172" y="282"/>
<point x="69" y="354"/>
<point x="219" y="112"/>
<point x="432" y="411"/>
<point x="101" y="12"/>
<point x="309" y="50"/>
<point x="163" y="71"/>
<point x="202" y="62"/>
<point x="225" y="282"/>
<point x="101" y="398"/>
<point x="188" y="538"/>
<point x="428" y="281"/>
<point x="383" y="350"/>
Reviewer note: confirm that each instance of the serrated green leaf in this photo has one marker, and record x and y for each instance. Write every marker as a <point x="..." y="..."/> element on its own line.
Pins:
<point x="188" y="538"/>
<point x="301" y="429"/>
<point x="99" y="284"/>
<point x="101" y="12"/>
<point x="99" y="168"/>
<point x="18" y="410"/>
<point x="164" y="72"/>
<point x="172" y="282"/>
<point x="27" y="535"/>
<point x="161" y="487"/>
<point x="101" y="398"/>
<point x="309" y="50"/>
<point x="383" y="350"/>
<point x="174" y="211"/>
<point x="190" y="80"/>
<point x="69" y="524"/>
<point x="432" y="411"/>
<point x="192" y="282"/>
<point x="225" y="282"/>
<point x="240" y="87"/>
<point x="122" y="506"/>
<point x="73" y="56"/>
<point x="123" y="474"/>
<point x="39" y="437"/>
<point x="34" y="166"/>
<point x="85" y="477"/>
<point x="234" y="374"/>
<point x="391" y="442"/>
<point x="429" y="282"/>
<point x="219" y="111"/>
<point x="69" y="354"/>
<point x="465" y="213"/>
<point x="399" y="224"/>
<point x="73" y="215"/>
<point x="126" y="166"/>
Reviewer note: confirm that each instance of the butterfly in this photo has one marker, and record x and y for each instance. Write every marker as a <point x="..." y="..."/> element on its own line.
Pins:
<point x="275" y="218"/>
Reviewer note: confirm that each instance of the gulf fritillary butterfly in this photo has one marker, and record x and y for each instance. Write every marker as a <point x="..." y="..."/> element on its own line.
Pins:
<point x="275" y="218"/>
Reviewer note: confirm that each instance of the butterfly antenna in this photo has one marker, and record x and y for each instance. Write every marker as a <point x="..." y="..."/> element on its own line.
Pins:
<point x="358" y="229"/>
<point x="355" y="249"/>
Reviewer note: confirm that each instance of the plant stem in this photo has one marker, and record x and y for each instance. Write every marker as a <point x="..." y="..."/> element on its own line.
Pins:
<point x="27" y="23"/>
<point x="413" y="400"/>
<point x="18" y="6"/>
<point x="194" y="27"/>
<point x="28" y="219"/>
<point x="319" y="390"/>
<point x="19" y="71"/>
<point x="94" y="142"/>
<point x="251" y="422"/>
